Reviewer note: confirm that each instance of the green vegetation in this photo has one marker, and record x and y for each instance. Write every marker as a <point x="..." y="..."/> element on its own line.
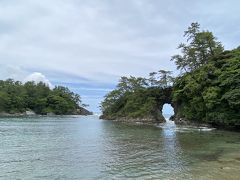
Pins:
<point x="139" y="97"/>
<point x="16" y="97"/>
<point x="200" y="47"/>
<point x="206" y="91"/>
<point x="211" y="94"/>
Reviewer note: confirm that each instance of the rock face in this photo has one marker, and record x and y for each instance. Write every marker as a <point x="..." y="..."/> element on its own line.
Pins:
<point x="26" y="113"/>
<point x="178" y="119"/>
<point x="80" y="111"/>
<point x="83" y="111"/>
<point x="4" y="114"/>
<point x="148" y="119"/>
<point x="148" y="111"/>
<point x="50" y="114"/>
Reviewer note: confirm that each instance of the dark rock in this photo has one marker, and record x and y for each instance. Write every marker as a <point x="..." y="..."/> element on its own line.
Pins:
<point x="82" y="111"/>
<point x="51" y="114"/>
<point x="147" y="119"/>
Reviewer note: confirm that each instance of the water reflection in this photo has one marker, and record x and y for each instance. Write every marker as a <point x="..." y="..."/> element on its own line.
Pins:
<point x="132" y="151"/>
<point x="169" y="129"/>
<point x="176" y="164"/>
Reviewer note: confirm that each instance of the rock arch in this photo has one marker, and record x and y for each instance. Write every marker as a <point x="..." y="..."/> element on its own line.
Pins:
<point x="164" y="97"/>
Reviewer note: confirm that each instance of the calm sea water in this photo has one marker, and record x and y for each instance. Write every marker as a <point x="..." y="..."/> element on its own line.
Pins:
<point x="89" y="148"/>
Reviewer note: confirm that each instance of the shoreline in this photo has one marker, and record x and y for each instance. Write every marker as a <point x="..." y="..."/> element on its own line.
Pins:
<point x="135" y="121"/>
<point x="31" y="113"/>
<point x="20" y="115"/>
<point x="145" y="121"/>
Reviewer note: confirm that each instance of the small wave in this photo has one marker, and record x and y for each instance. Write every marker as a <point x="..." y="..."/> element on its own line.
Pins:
<point x="170" y="125"/>
<point x="206" y="129"/>
<point x="191" y="128"/>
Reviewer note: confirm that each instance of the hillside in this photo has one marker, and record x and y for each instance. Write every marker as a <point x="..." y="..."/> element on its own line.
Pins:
<point x="17" y="98"/>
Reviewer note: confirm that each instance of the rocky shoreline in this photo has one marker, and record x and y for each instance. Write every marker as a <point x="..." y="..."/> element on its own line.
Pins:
<point x="152" y="120"/>
<point x="144" y="120"/>
<point x="30" y="113"/>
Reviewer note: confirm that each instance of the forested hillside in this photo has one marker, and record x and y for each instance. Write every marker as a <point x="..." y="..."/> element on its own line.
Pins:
<point x="16" y="97"/>
<point x="211" y="93"/>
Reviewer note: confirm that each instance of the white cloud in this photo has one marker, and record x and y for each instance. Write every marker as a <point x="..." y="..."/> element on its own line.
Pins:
<point x="38" y="77"/>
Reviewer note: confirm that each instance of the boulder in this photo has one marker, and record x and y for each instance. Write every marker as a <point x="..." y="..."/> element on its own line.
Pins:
<point x="30" y="113"/>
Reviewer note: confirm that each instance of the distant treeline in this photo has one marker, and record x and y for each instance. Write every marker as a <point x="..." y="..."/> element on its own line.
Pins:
<point x="16" y="97"/>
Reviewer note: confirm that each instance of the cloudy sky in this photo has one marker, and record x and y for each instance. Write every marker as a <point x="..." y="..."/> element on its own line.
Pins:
<point x="88" y="44"/>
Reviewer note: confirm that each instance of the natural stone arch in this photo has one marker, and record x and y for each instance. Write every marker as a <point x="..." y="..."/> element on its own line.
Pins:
<point x="164" y="97"/>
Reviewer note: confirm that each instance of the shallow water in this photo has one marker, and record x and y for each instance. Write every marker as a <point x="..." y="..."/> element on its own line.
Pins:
<point x="89" y="148"/>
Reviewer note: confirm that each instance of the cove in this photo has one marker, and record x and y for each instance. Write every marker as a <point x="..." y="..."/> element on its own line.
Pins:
<point x="85" y="147"/>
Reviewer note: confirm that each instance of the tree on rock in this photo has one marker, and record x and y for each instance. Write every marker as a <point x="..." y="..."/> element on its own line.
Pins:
<point x="162" y="79"/>
<point x="201" y="45"/>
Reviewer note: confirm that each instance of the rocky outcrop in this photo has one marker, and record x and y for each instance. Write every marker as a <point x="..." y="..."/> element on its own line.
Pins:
<point x="30" y="113"/>
<point x="18" y="114"/>
<point x="79" y="111"/>
<point x="183" y="121"/>
<point x="83" y="111"/>
<point x="146" y="120"/>
<point x="51" y="114"/>
<point x="4" y="114"/>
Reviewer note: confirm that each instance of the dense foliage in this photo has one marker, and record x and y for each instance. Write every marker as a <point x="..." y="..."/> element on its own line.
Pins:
<point x="139" y="97"/>
<point x="211" y="93"/>
<point x="206" y="91"/>
<point x="16" y="97"/>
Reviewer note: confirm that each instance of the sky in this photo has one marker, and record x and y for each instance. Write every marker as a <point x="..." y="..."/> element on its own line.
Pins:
<point x="87" y="45"/>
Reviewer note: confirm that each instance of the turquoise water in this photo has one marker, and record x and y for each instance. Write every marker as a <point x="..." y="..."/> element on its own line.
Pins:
<point x="89" y="148"/>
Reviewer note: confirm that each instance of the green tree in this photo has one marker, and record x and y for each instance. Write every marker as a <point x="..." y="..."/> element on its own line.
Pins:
<point x="201" y="45"/>
<point x="165" y="78"/>
<point x="162" y="79"/>
<point x="128" y="84"/>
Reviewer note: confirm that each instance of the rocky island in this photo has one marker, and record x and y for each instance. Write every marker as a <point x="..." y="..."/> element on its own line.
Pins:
<point x="207" y="91"/>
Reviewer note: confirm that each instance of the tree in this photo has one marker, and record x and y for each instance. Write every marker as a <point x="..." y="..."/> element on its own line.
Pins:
<point x="162" y="79"/>
<point x="165" y="78"/>
<point x="201" y="45"/>
<point x="128" y="84"/>
<point x="153" y="79"/>
<point x="4" y="99"/>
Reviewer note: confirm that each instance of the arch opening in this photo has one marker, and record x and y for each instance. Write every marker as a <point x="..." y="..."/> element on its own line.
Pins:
<point x="167" y="111"/>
